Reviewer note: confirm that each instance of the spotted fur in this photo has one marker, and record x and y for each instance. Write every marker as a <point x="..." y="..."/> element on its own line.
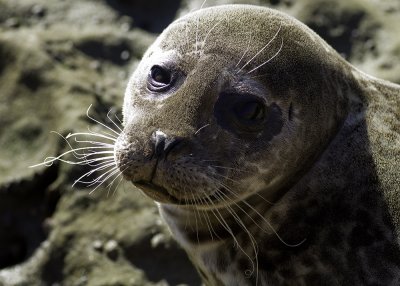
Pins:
<point x="309" y="196"/>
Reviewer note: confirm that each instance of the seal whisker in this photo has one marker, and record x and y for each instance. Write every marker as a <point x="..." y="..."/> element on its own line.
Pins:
<point x="264" y="199"/>
<point x="91" y="133"/>
<point x="98" y="122"/>
<point x="243" y="226"/>
<point x="261" y="50"/>
<point x="270" y="59"/>
<point x="196" y="34"/>
<point x="111" y="173"/>
<point x="264" y="219"/>
<point x="227" y="178"/>
<point x="228" y="168"/>
<point x="118" y="174"/>
<point x="202" y="5"/>
<point x="88" y="152"/>
<point x="119" y="182"/>
<point x="201" y="128"/>
<point x="124" y="167"/>
<point x="48" y="161"/>
<point x="237" y="182"/>
<point x="222" y="222"/>
<point x="187" y="218"/>
<point x="93" y="152"/>
<point x="100" y="161"/>
<point x="118" y="119"/>
<point x="102" y="177"/>
<point x="96" y="143"/>
<point x="245" y="52"/>
<point x="92" y="157"/>
<point x="105" y="133"/>
<point x="89" y="173"/>
<point x="195" y="217"/>
<point x="209" y="32"/>
<point x="208" y="220"/>
<point x="112" y="121"/>
<point x="74" y="151"/>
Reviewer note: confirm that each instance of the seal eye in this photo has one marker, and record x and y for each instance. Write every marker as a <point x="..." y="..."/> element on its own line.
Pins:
<point x="159" y="78"/>
<point x="251" y="111"/>
<point x="243" y="114"/>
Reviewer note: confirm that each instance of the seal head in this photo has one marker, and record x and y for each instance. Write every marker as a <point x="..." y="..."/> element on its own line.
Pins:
<point x="274" y="161"/>
<point x="225" y="104"/>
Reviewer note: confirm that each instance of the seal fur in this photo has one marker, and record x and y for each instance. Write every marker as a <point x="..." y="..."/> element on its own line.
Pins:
<point x="272" y="159"/>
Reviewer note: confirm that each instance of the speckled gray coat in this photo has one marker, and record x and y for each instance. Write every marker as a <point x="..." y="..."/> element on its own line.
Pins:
<point x="273" y="160"/>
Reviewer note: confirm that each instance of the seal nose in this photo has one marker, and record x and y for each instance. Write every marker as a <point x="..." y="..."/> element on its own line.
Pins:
<point x="163" y="144"/>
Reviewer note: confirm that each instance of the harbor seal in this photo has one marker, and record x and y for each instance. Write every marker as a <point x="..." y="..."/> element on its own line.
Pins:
<point x="272" y="160"/>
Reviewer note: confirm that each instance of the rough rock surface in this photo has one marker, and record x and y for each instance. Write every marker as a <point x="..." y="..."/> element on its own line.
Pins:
<point x="59" y="57"/>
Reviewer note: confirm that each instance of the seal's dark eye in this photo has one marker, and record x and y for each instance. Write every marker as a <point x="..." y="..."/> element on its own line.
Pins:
<point x="250" y="111"/>
<point x="160" y="75"/>
<point x="241" y="113"/>
<point x="159" y="78"/>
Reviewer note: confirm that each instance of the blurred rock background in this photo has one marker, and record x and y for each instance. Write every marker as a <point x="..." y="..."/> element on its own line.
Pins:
<point x="59" y="57"/>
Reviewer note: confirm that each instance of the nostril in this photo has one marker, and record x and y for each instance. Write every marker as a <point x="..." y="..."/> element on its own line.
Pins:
<point x="171" y="144"/>
<point x="159" y="143"/>
<point x="163" y="144"/>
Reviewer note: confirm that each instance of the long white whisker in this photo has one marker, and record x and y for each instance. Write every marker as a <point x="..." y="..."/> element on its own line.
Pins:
<point x="119" y="120"/>
<point x="245" y="52"/>
<point x="229" y="230"/>
<point x="119" y="182"/>
<point x="237" y="182"/>
<point x="112" y="121"/>
<point x="229" y="168"/>
<point x="208" y="220"/>
<point x="243" y="226"/>
<point x="198" y="130"/>
<point x="209" y="32"/>
<point x="105" y="179"/>
<point x="260" y="51"/>
<point x="50" y="160"/>
<point x="103" y="132"/>
<point x="90" y="133"/>
<point x="117" y="173"/>
<point x="99" y="161"/>
<point x="95" y="143"/>
<point x="99" y="178"/>
<point x="98" y="153"/>
<point x="100" y="123"/>
<point x="92" y="171"/>
<point x="195" y="218"/>
<point x="270" y="59"/>
<point x="262" y="217"/>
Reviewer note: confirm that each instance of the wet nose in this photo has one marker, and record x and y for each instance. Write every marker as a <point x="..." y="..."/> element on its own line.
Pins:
<point x="164" y="144"/>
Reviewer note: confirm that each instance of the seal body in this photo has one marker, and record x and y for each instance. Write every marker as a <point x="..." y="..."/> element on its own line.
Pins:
<point x="273" y="161"/>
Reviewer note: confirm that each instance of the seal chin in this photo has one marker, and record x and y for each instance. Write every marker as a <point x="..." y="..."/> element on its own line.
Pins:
<point x="155" y="192"/>
<point x="162" y="195"/>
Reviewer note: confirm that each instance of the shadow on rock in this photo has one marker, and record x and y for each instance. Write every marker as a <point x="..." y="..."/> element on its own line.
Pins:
<point x="162" y="261"/>
<point x="150" y="15"/>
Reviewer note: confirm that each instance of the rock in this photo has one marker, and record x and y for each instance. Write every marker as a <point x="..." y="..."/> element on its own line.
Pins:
<point x="125" y="55"/>
<point x="38" y="11"/>
<point x="111" y="249"/>
<point x="98" y="245"/>
<point x="158" y="240"/>
<point x="12" y="23"/>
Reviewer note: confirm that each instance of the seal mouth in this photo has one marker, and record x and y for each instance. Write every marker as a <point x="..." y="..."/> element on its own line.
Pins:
<point x="156" y="192"/>
<point x="161" y="194"/>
